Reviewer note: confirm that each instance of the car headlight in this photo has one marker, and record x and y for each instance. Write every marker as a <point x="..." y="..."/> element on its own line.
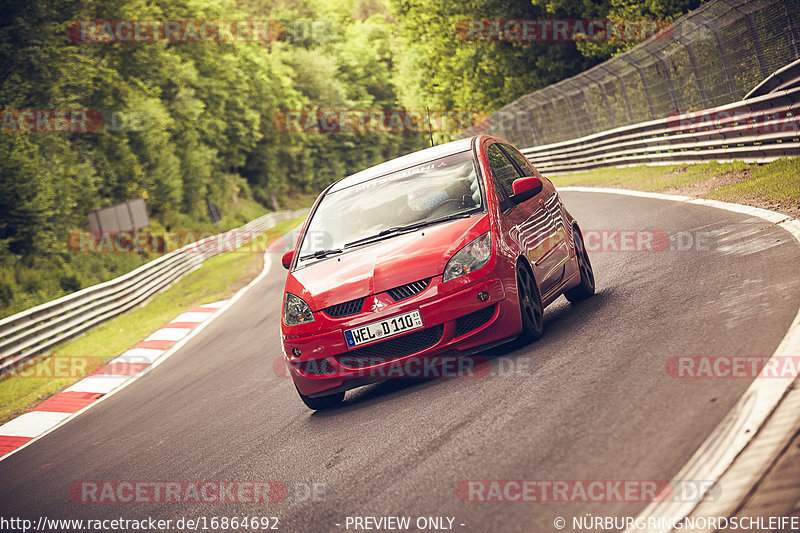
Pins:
<point x="296" y="311"/>
<point x="474" y="255"/>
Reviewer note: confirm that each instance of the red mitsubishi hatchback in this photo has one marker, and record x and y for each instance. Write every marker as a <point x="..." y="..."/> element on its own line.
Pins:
<point x="431" y="256"/>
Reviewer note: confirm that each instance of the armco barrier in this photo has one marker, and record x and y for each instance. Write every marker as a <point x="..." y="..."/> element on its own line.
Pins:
<point x="33" y="331"/>
<point x="758" y="129"/>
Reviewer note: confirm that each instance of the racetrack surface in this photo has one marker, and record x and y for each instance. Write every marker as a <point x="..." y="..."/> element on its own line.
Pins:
<point x="591" y="400"/>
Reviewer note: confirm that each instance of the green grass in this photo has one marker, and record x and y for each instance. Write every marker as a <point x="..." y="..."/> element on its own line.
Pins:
<point x="650" y="179"/>
<point x="778" y="181"/>
<point x="245" y="211"/>
<point x="217" y="279"/>
<point x="297" y="200"/>
<point x="774" y="185"/>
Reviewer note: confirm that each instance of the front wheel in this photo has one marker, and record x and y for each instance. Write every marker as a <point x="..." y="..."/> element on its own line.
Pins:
<point x="321" y="402"/>
<point x="530" y="307"/>
<point x="585" y="288"/>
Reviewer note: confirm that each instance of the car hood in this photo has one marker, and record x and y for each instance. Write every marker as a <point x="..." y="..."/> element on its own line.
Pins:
<point x="383" y="265"/>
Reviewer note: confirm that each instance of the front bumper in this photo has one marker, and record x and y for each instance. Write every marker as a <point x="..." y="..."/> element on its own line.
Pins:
<point x="455" y="324"/>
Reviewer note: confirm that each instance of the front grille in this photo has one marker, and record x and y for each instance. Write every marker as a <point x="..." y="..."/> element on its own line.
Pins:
<point x="345" y="309"/>
<point x="474" y="320"/>
<point x="317" y="367"/>
<point x="408" y="290"/>
<point x="391" y="349"/>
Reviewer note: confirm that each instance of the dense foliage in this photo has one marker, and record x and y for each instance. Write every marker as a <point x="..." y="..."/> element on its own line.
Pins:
<point x="441" y="68"/>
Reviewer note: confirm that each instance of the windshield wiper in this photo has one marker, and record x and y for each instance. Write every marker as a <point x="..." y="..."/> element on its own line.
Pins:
<point x="411" y="227"/>
<point x="320" y="254"/>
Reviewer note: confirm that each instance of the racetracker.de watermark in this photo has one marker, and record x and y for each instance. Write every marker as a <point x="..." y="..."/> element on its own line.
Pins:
<point x="648" y="240"/>
<point x="376" y="120"/>
<point x="584" y="490"/>
<point x="72" y="121"/>
<point x="733" y="367"/>
<point x="50" y="121"/>
<point x="175" y="31"/>
<point x="378" y="368"/>
<point x="197" y="242"/>
<point x="203" y="491"/>
<point x="625" y="241"/>
<point x="561" y="30"/>
<point x="739" y="120"/>
<point x="54" y="367"/>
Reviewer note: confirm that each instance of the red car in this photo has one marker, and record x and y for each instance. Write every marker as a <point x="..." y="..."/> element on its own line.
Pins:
<point x="431" y="256"/>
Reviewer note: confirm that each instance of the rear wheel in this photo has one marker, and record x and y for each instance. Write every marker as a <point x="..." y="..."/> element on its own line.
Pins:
<point x="321" y="402"/>
<point x="586" y="287"/>
<point x="530" y="306"/>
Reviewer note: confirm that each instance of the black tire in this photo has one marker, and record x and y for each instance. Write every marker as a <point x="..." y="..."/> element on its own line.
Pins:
<point x="586" y="287"/>
<point x="530" y="306"/>
<point x="321" y="402"/>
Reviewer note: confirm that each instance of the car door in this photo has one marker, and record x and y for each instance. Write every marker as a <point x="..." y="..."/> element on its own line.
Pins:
<point x="530" y="223"/>
<point x="557" y="254"/>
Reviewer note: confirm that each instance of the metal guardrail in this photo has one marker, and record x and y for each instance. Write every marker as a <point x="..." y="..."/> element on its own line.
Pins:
<point x="758" y="129"/>
<point x="782" y="79"/>
<point x="35" y="330"/>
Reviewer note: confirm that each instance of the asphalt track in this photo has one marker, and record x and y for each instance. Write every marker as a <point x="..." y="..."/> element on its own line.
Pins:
<point x="592" y="400"/>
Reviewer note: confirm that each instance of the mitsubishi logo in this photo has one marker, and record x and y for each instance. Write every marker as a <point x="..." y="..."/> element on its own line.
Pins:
<point x="377" y="305"/>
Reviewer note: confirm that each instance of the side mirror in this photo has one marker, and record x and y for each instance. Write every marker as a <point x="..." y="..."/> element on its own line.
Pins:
<point x="287" y="259"/>
<point x="525" y="188"/>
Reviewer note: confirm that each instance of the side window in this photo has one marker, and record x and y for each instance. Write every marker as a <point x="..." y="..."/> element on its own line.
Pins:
<point x="503" y="172"/>
<point x="519" y="159"/>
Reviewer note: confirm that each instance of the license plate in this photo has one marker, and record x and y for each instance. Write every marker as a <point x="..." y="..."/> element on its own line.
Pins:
<point x="383" y="328"/>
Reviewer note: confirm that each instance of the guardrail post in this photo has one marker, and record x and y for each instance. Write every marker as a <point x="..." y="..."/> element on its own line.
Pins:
<point x="793" y="38"/>
<point x="622" y="88"/>
<point x="697" y="76"/>
<point x="667" y="76"/>
<point x="573" y="117"/>
<point x="762" y="62"/>
<point x="723" y="56"/>
<point x="612" y="120"/>
<point x="645" y="88"/>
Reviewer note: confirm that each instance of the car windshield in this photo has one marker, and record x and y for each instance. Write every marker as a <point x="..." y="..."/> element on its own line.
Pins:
<point x="389" y="204"/>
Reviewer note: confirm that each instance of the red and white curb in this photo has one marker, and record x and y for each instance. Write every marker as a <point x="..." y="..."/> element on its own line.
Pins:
<point x="116" y="373"/>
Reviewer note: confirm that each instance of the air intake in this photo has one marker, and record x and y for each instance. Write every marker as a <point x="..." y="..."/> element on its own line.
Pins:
<point x="409" y="289"/>
<point x="352" y="307"/>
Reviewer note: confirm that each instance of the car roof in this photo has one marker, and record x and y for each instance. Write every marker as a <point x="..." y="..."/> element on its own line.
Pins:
<point x="402" y="162"/>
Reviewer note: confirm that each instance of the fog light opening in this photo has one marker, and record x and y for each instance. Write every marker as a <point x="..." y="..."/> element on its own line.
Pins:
<point x="296" y="352"/>
<point x="483" y="296"/>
